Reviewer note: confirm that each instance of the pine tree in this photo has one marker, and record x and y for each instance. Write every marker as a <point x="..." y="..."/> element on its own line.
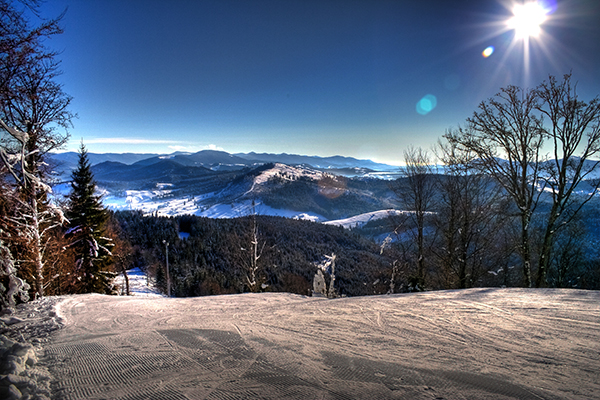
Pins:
<point x="87" y="231"/>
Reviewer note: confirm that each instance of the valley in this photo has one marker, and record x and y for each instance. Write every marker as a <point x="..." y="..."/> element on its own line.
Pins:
<point x="221" y="185"/>
<point x="335" y="192"/>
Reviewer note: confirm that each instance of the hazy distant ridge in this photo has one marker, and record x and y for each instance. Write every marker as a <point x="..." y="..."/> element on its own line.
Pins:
<point x="66" y="161"/>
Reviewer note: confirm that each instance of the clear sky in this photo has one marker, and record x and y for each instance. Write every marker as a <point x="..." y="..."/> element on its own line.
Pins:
<point x="359" y="78"/>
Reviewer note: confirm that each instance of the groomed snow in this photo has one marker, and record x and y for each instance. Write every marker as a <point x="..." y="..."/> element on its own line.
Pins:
<point x="468" y="344"/>
<point x="24" y="333"/>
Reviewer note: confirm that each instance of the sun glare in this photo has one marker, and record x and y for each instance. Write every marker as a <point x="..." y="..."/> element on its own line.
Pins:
<point x="527" y="19"/>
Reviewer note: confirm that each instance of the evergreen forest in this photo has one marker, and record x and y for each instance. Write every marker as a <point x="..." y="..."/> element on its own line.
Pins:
<point x="214" y="256"/>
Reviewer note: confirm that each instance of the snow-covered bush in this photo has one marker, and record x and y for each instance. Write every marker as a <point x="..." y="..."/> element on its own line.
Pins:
<point x="12" y="288"/>
<point x="319" y="286"/>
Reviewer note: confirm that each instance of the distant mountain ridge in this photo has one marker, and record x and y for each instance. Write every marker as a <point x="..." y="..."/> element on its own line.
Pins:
<point x="162" y="170"/>
<point x="315" y="161"/>
<point x="206" y="158"/>
<point x="219" y="159"/>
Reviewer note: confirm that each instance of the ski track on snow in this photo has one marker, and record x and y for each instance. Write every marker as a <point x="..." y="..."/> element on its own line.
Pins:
<point x="469" y="344"/>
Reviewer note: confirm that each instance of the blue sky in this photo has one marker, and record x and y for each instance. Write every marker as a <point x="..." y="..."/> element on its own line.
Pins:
<point x="314" y="77"/>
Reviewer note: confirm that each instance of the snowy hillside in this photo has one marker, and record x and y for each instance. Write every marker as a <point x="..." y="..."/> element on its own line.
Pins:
<point x="277" y="190"/>
<point x="362" y="219"/>
<point x="286" y="173"/>
<point x="166" y="200"/>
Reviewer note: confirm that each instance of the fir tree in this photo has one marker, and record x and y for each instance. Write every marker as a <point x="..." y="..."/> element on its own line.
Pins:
<point x="87" y="231"/>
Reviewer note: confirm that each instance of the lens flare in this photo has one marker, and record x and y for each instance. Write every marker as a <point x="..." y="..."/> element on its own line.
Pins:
<point x="527" y="19"/>
<point x="488" y="51"/>
<point x="426" y="104"/>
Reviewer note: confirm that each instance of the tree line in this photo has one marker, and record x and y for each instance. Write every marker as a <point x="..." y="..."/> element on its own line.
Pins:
<point x="46" y="246"/>
<point x="255" y="253"/>
<point x="517" y="178"/>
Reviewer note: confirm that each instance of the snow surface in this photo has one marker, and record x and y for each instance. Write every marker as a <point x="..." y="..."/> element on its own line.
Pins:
<point x="24" y="332"/>
<point x="286" y="172"/>
<point x="139" y="284"/>
<point x="459" y="344"/>
<point x="242" y="208"/>
<point x="161" y="203"/>
<point x="361" y="219"/>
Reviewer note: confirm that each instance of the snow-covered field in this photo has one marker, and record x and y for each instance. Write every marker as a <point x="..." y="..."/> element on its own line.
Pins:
<point x="286" y="172"/>
<point x="469" y="344"/>
<point x="243" y="208"/>
<point x="165" y="201"/>
<point x="157" y="201"/>
<point x="361" y="219"/>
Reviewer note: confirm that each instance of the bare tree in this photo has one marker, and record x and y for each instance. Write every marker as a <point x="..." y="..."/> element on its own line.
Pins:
<point x="568" y="256"/>
<point x="331" y="262"/>
<point x="251" y="264"/>
<point x="574" y="131"/>
<point x="400" y="256"/>
<point x="468" y="217"/>
<point x="508" y="133"/>
<point x="122" y="251"/>
<point x="507" y="138"/>
<point x="416" y="190"/>
<point x="33" y="108"/>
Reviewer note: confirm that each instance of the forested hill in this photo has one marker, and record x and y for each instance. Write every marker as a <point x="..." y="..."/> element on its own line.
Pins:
<point x="216" y="256"/>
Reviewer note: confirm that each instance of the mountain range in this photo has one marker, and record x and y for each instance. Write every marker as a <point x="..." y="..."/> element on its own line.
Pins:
<point x="222" y="160"/>
<point x="219" y="184"/>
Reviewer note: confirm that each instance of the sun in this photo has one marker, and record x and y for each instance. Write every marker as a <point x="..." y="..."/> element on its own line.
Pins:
<point x="522" y="33"/>
<point x="527" y="19"/>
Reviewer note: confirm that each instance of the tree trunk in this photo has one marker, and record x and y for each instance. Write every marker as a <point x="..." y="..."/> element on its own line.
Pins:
<point x="127" y="292"/>
<point x="37" y="248"/>
<point x="546" y="251"/>
<point x="331" y="293"/>
<point x="421" y="249"/>
<point x="525" y="250"/>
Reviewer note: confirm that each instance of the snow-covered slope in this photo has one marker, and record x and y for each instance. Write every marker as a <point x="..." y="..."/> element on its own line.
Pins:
<point x="361" y="219"/>
<point x="166" y="200"/>
<point x="286" y="173"/>
<point x="244" y="207"/>
<point x="158" y="202"/>
<point x="485" y="343"/>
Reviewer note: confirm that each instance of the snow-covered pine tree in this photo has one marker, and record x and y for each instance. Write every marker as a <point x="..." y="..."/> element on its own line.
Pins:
<point x="86" y="231"/>
<point x="12" y="288"/>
